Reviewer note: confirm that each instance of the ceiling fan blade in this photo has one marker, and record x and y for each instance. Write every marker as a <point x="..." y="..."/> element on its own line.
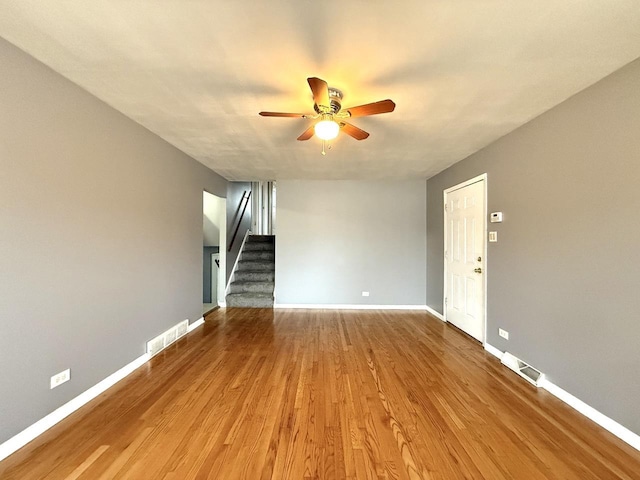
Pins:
<point x="383" y="106"/>
<point x="307" y="134"/>
<point x="320" y="91"/>
<point x="353" y="131"/>
<point x="282" y="114"/>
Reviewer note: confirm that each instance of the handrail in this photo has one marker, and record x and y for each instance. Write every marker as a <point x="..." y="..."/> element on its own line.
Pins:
<point x="235" y="233"/>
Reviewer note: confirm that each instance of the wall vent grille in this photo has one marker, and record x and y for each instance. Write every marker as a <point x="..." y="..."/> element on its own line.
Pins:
<point x="165" y="339"/>
<point x="155" y="345"/>
<point x="526" y="371"/>
<point x="169" y="336"/>
<point x="182" y="328"/>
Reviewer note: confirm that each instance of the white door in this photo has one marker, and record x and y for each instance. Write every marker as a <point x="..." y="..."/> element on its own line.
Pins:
<point x="464" y="227"/>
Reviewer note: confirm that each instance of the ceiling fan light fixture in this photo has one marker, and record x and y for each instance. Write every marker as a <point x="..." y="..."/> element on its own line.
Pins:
<point x="327" y="103"/>
<point x="327" y="129"/>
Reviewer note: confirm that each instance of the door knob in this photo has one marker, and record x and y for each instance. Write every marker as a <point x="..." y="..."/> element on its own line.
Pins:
<point x="478" y="270"/>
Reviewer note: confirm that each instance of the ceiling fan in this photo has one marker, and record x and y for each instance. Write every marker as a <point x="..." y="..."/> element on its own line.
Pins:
<point x="330" y="116"/>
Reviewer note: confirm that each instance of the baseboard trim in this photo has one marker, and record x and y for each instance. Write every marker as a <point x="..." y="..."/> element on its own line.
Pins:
<point x="194" y="325"/>
<point x="493" y="351"/>
<point x="620" y="431"/>
<point x="30" y="433"/>
<point x="436" y="314"/>
<point x="322" y="306"/>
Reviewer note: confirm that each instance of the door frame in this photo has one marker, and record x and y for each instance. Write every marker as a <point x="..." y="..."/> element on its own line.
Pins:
<point x="222" y="247"/>
<point x="479" y="178"/>
<point x="218" y="271"/>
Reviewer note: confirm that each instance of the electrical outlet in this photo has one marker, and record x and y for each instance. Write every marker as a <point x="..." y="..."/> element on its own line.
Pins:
<point x="60" y="378"/>
<point x="365" y="294"/>
<point x="503" y="333"/>
<point x="493" y="236"/>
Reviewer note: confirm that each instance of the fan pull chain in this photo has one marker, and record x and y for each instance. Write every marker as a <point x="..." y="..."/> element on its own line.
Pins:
<point x="323" y="149"/>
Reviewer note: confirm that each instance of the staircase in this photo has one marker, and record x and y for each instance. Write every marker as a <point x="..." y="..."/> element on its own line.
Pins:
<point x="254" y="277"/>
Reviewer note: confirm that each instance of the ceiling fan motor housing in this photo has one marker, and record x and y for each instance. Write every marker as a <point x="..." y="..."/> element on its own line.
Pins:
<point x="335" y="98"/>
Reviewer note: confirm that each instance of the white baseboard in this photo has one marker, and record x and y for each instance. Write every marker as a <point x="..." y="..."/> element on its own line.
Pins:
<point x="44" y="424"/>
<point x="322" y="306"/>
<point x="436" y="314"/>
<point x="620" y="431"/>
<point x="222" y="304"/>
<point x="196" y="324"/>
<point x="493" y="351"/>
<point x="30" y="433"/>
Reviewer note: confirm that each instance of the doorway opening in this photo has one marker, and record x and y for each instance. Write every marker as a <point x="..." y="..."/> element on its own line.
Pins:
<point x="214" y="238"/>
<point x="263" y="208"/>
<point x="465" y="254"/>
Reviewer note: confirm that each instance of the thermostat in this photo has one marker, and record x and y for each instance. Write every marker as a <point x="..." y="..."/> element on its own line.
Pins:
<point x="496" y="217"/>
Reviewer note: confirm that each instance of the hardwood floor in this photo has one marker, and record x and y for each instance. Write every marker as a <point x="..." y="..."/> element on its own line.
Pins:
<point x="258" y="394"/>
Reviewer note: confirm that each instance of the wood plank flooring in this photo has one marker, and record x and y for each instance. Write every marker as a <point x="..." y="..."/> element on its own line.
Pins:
<point x="290" y="394"/>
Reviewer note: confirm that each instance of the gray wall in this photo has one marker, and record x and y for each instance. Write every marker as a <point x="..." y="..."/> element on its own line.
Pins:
<point x="100" y="238"/>
<point x="234" y="211"/>
<point x="563" y="278"/>
<point x="338" y="238"/>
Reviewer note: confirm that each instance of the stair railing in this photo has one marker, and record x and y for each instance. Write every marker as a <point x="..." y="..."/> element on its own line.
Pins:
<point x="245" y="198"/>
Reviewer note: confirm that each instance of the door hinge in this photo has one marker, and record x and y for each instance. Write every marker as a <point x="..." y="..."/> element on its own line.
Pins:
<point x="446" y="301"/>
<point x="445" y="207"/>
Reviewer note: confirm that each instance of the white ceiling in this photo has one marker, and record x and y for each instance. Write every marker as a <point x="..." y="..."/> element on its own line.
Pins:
<point x="462" y="72"/>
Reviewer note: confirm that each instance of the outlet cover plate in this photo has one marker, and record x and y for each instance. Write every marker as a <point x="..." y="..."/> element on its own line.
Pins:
<point x="60" y="378"/>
